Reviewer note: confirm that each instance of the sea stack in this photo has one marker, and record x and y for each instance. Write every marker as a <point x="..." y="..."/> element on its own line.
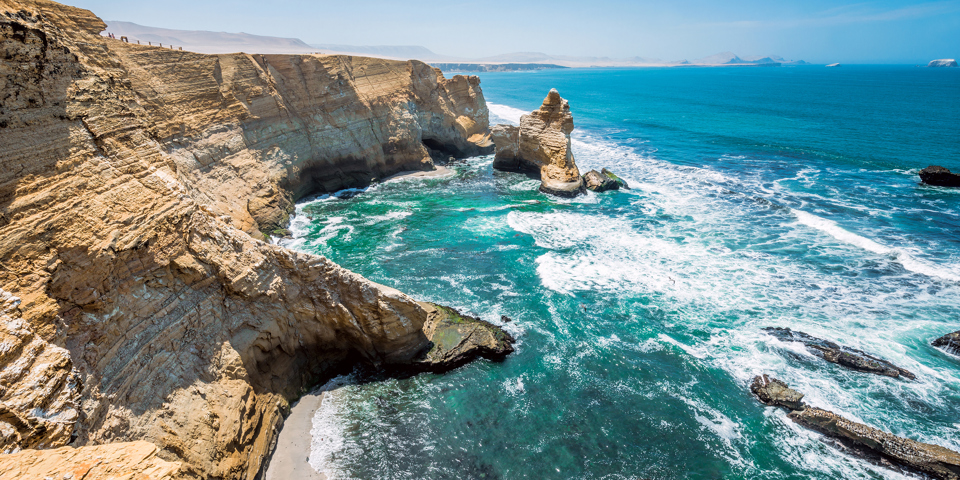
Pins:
<point x="939" y="176"/>
<point x="542" y="142"/>
<point x="943" y="62"/>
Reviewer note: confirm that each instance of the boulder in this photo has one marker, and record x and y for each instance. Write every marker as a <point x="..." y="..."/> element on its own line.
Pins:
<point x="949" y="342"/>
<point x="933" y="460"/>
<point x="939" y="176"/>
<point x="775" y="393"/>
<point x="621" y="182"/>
<point x="841" y="355"/>
<point x="943" y="62"/>
<point x="543" y="143"/>
<point x="598" y="182"/>
<point x="456" y="339"/>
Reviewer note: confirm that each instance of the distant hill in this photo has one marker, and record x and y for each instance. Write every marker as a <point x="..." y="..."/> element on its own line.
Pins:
<point x="400" y="52"/>
<point x="208" y="42"/>
<point x="494" y="67"/>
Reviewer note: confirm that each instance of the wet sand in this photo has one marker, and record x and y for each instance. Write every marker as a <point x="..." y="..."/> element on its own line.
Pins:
<point x="290" y="459"/>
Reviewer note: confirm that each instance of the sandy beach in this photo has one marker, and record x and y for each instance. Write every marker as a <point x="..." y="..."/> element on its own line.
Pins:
<point x="291" y="457"/>
<point x="438" y="172"/>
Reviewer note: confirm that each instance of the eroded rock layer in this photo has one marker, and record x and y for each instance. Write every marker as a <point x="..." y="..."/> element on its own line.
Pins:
<point x="136" y="300"/>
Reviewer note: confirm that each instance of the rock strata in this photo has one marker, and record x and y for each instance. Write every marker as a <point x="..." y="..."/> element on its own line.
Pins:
<point x="943" y="62"/>
<point x="597" y="182"/>
<point x="137" y="300"/>
<point x="456" y="339"/>
<point x="841" y="355"/>
<point x="775" y="393"/>
<point x="939" y="176"/>
<point x="949" y="342"/>
<point x="542" y="144"/>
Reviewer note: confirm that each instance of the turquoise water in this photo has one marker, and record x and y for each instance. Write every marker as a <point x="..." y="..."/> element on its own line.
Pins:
<point x="761" y="197"/>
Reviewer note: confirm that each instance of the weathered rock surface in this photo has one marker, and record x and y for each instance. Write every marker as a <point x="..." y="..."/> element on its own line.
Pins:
<point x="775" y="393"/>
<point x="943" y="62"/>
<point x="931" y="459"/>
<point x="507" y="141"/>
<point x="136" y="300"/>
<point x="939" y="176"/>
<point x="543" y="143"/>
<point x="621" y="182"/>
<point x="844" y="356"/>
<point x="598" y="182"/>
<point x="949" y="342"/>
<point x="115" y="461"/>
<point x="456" y="339"/>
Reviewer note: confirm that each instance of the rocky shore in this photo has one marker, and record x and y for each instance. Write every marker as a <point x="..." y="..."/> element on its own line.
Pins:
<point x="139" y="301"/>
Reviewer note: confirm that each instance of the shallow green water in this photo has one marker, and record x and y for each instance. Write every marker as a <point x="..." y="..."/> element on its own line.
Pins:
<point x="638" y="312"/>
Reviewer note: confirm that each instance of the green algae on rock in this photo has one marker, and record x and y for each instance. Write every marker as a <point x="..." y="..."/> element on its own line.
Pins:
<point x="457" y="339"/>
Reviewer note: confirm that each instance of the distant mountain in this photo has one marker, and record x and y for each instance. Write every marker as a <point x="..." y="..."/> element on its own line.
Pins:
<point x="494" y="67"/>
<point x="207" y="42"/>
<point x="400" y="52"/>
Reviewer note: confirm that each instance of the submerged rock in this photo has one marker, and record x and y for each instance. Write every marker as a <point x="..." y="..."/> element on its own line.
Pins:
<point x="931" y="459"/>
<point x="542" y="143"/>
<point x="841" y="355"/>
<point x="775" y="393"/>
<point x="949" y="342"/>
<point x="939" y="176"/>
<point x="457" y="339"/>
<point x="943" y="62"/>
<point x="598" y="182"/>
<point x="621" y="182"/>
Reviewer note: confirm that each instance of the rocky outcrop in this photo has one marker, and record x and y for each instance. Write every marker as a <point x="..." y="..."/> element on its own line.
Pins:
<point x="943" y="62"/>
<point x="933" y="460"/>
<point x="620" y="182"/>
<point x="939" y="176"/>
<point x="866" y="441"/>
<point x="949" y="342"/>
<point x="543" y="143"/>
<point x="597" y="182"/>
<point x="844" y="356"/>
<point x="456" y="339"/>
<point x="130" y="460"/>
<point x="775" y="393"/>
<point x="138" y="301"/>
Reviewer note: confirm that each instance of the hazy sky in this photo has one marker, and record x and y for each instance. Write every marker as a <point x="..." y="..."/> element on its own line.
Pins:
<point x="814" y="30"/>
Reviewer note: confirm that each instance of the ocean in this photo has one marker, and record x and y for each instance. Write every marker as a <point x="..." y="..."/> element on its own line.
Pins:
<point x="783" y="197"/>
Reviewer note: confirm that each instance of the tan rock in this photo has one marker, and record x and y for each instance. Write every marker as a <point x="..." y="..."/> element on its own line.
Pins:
<point x="137" y="301"/>
<point x="543" y="143"/>
<point x="115" y="461"/>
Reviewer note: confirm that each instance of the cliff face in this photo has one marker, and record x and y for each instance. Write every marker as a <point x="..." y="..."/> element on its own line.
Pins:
<point x="135" y="299"/>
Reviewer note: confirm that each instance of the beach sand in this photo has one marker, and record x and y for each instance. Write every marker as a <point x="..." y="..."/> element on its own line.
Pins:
<point x="290" y="459"/>
<point x="439" y="172"/>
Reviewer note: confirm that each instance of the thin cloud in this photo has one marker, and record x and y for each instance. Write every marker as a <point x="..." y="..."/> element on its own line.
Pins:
<point x="848" y="14"/>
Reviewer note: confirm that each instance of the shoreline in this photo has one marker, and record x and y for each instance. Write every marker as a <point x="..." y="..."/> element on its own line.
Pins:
<point x="291" y="455"/>
<point x="438" y="172"/>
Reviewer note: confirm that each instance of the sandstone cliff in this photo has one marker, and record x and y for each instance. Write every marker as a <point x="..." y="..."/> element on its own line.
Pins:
<point x="542" y="142"/>
<point x="136" y="299"/>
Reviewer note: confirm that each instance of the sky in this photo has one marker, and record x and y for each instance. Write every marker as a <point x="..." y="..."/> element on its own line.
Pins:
<point x="817" y="31"/>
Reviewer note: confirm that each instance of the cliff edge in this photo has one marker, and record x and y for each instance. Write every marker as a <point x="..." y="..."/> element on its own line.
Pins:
<point x="137" y="300"/>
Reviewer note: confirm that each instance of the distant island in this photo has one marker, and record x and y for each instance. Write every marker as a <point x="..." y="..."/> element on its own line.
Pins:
<point x="943" y="62"/>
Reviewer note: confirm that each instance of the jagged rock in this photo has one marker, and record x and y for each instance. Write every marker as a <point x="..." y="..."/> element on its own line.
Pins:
<point x="543" y="143"/>
<point x="841" y="355"/>
<point x="939" y="176"/>
<point x="456" y="339"/>
<point x="949" y="342"/>
<point x="931" y="459"/>
<point x="621" y="182"/>
<point x="775" y="393"/>
<point x="943" y="62"/>
<point x="126" y="460"/>
<point x="597" y="182"/>
<point x="136" y="185"/>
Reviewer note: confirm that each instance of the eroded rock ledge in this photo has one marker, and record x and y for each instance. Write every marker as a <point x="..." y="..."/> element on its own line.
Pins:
<point x="136" y="302"/>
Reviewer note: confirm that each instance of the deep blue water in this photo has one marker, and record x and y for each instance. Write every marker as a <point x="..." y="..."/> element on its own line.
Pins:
<point x="761" y="197"/>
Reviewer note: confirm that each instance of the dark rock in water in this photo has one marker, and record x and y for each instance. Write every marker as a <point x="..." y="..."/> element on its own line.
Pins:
<point x="843" y="356"/>
<point x="939" y="176"/>
<point x="598" y="182"/>
<point x="933" y="460"/>
<point x="505" y="319"/>
<point x="949" y="342"/>
<point x="457" y="339"/>
<point x="775" y="393"/>
<point x="621" y="182"/>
